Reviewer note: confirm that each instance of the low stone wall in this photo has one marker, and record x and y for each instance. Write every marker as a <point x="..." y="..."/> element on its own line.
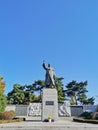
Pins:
<point x="90" y="108"/>
<point x="10" y="107"/>
<point x="34" y="109"/>
<point x="21" y="110"/>
<point x="76" y="110"/>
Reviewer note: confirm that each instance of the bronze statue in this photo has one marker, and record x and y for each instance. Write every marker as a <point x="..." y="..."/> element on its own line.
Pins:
<point x="50" y="75"/>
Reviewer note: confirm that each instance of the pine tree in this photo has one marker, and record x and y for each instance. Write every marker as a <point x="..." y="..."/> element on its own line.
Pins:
<point x="76" y="91"/>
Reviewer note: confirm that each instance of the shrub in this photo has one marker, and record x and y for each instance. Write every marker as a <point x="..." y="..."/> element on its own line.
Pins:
<point x="7" y="115"/>
<point x="86" y="115"/>
<point x="14" y="113"/>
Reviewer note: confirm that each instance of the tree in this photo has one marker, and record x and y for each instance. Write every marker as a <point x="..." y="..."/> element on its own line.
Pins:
<point x="3" y="100"/>
<point x="90" y="100"/>
<point x="77" y="93"/>
<point x="33" y="98"/>
<point x="59" y="86"/>
<point x="38" y="87"/>
<point x="29" y="94"/>
<point x="16" y="96"/>
<point x="87" y="101"/>
<point x="21" y="94"/>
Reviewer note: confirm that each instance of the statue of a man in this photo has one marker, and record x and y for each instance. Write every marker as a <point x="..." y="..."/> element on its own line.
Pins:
<point x="50" y="75"/>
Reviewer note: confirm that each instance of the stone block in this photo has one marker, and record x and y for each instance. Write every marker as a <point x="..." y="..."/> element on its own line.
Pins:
<point x="49" y="104"/>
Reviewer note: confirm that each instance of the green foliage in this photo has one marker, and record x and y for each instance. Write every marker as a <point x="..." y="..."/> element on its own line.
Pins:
<point x="16" y="96"/>
<point x="7" y="115"/>
<point x="3" y="102"/>
<point x="87" y="101"/>
<point x="72" y="102"/>
<point x="38" y="86"/>
<point x="59" y="87"/>
<point x="21" y="94"/>
<point x="3" y="99"/>
<point x="86" y="115"/>
<point x="33" y="97"/>
<point x="77" y="93"/>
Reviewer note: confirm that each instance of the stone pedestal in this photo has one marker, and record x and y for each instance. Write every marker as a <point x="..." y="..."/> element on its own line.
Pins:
<point x="49" y="104"/>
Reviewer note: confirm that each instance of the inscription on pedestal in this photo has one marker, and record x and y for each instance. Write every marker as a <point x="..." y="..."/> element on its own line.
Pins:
<point x="49" y="102"/>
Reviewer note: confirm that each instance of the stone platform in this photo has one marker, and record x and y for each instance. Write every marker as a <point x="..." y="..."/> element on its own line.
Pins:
<point x="61" y="124"/>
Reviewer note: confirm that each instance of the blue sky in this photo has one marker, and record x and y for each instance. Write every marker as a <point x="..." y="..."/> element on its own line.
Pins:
<point x="64" y="33"/>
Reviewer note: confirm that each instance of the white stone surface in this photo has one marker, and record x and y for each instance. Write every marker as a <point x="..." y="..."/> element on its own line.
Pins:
<point x="34" y="109"/>
<point x="64" y="110"/>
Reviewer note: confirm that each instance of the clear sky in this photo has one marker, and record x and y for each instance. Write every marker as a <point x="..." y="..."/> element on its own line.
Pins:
<point x="64" y="33"/>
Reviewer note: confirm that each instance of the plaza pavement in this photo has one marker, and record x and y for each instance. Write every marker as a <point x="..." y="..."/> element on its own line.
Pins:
<point x="32" y="123"/>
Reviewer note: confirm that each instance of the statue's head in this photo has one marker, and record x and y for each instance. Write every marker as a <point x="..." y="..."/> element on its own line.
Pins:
<point x="49" y="65"/>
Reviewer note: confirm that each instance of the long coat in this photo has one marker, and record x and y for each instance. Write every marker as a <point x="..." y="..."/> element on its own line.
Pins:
<point x="50" y="76"/>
